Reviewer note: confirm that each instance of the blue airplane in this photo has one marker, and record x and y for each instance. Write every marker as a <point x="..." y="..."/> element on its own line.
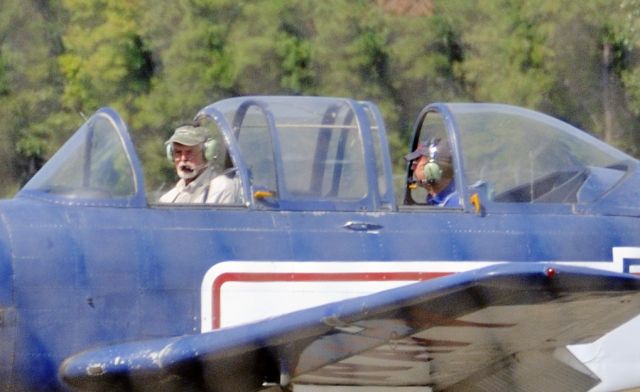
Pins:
<point x="331" y="273"/>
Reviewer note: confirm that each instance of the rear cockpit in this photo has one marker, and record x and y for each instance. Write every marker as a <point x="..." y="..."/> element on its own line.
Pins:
<point x="507" y="157"/>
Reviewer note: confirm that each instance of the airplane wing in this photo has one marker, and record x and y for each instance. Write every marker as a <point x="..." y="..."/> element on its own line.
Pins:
<point x="503" y="327"/>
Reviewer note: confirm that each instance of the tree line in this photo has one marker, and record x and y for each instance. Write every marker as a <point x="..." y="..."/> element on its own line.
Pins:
<point x="158" y="62"/>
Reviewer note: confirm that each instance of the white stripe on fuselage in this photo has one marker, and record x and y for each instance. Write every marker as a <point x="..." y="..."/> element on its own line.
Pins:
<point x="237" y="292"/>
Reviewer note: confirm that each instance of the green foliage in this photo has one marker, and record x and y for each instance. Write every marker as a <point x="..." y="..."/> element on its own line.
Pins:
<point x="509" y="60"/>
<point x="295" y="54"/>
<point x="106" y="61"/>
<point x="158" y="62"/>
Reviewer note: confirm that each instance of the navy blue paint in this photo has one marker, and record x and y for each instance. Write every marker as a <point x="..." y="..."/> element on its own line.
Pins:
<point x="75" y="275"/>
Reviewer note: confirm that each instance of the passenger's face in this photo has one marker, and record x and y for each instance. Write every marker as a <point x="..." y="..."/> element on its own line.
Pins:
<point x="418" y="168"/>
<point x="418" y="173"/>
<point x="189" y="160"/>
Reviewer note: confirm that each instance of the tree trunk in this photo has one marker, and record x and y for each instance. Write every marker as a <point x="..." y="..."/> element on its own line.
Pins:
<point x="607" y="94"/>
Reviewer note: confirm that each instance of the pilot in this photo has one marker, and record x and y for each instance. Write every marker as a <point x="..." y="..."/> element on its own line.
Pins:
<point x="432" y="168"/>
<point x="191" y="149"/>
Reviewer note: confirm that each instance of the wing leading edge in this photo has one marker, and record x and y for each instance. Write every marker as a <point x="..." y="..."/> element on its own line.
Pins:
<point x="503" y="327"/>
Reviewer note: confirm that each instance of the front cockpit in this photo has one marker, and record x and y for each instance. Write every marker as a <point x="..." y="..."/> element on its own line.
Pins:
<point x="297" y="153"/>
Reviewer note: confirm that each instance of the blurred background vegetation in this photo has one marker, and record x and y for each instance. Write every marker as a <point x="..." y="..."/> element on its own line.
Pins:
<point x="158" y="62"/>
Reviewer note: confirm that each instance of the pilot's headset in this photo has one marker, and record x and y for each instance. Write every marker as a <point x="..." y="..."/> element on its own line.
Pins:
<point x="432" y="169"/>
<point x="191" y="135"/>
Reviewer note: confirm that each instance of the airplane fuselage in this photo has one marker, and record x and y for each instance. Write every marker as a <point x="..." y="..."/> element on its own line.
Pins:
<point x="88" y="259"/>
<point x="145" y="279"/>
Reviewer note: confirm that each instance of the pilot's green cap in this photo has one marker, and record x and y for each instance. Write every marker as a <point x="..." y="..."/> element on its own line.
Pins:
<point x="189" y="135"/>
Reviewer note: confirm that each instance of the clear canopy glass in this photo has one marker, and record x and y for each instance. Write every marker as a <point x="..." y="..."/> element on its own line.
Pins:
<point x="92" y="164"/>
<point x="524" y="156"/>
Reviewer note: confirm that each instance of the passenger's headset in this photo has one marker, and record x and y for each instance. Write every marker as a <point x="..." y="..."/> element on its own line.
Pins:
<point x="208" y="148"/>
<point x="432" y="170"/>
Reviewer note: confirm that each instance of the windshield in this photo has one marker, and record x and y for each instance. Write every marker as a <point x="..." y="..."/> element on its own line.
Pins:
<point x="92" y="164"/>
<point x="524" y="156"/>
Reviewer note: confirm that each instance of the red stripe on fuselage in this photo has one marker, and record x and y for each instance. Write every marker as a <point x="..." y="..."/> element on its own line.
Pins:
<point x="228" y="277"/>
